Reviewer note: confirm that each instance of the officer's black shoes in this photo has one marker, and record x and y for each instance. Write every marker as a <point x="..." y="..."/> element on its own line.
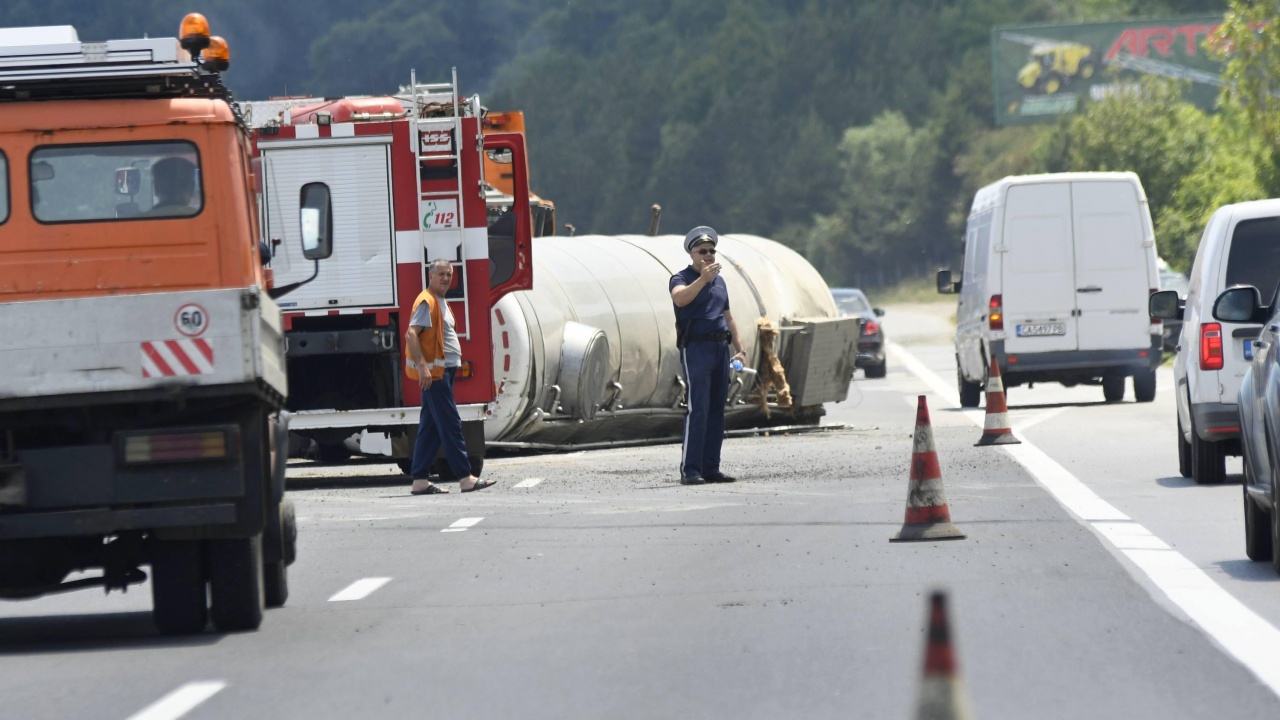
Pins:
<point x="692" y="480"/>
<point x="717" y="477"/>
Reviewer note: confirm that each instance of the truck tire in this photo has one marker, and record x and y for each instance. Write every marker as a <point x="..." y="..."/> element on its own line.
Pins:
<point x="178" y="587"/>
<point x="1257" y="526"/>
<point x="445" y="472"/>
<point x="1208" y="461"/>
<point x="235" y="583"/>
<point x="970" y="393"/>
<point x="1144" y="386"/>
<point x="405" y="465"/>
<point x="1184" y="453"/>
<point x="275" y="584"/>
<point x="1113" y="388"/>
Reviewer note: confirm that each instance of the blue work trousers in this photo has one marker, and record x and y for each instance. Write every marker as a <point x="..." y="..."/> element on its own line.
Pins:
<point x="439" y="424"/>
<point x="706" y="377"/>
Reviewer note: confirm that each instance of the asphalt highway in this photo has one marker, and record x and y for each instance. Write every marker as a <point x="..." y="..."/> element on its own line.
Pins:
<point x="1093" y="582"/>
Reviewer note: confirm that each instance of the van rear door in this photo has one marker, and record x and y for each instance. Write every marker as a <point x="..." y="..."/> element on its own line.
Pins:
<point x="1038" y="269"/>
<point x="1111" y="286"/>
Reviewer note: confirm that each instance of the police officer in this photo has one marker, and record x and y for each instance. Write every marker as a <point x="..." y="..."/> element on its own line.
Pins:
<point x="705" y="333"/>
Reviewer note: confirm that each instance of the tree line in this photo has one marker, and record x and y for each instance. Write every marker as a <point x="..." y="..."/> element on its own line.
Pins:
<point x="856" y="132"/>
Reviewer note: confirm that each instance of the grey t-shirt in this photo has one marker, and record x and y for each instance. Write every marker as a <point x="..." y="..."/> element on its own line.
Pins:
<point x="452" y="348"/>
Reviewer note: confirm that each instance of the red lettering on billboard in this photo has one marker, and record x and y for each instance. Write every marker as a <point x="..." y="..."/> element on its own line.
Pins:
<point x="1140" y="42"/>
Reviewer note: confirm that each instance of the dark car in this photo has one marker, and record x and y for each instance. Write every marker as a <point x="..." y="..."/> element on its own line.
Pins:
<point x="1259" y="405"/>
<point x="851" y="302"/>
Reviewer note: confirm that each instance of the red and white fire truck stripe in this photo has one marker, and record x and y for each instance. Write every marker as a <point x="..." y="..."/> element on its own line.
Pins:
<point x="177" y="358"/>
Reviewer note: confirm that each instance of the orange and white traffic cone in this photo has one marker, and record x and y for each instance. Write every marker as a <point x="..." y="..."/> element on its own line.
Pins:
<point x="995" y="429"/>
<point x="942" y="695"/>
<point x="928" y="517"/>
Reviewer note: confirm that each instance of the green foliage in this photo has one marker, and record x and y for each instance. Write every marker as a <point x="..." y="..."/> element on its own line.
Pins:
<point x="855" y="131"/>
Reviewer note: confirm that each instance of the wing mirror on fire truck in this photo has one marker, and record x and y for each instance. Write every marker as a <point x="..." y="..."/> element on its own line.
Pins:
<point x="315" y="218"/>
<point x="315" y="214"/>
<point x="501" y="156"/>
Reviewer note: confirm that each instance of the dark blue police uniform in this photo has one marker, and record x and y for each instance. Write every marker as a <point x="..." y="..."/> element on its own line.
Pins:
<point x="704" y="333"/>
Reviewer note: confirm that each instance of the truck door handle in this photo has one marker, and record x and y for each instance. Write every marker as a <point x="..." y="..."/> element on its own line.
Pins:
<point x="1090" y="289"/>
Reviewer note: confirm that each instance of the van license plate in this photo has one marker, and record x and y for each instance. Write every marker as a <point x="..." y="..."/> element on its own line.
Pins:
<point x="1040" y="329"/>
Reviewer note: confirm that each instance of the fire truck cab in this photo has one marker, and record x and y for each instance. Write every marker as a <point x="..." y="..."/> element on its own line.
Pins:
<point x="407" y="177"/>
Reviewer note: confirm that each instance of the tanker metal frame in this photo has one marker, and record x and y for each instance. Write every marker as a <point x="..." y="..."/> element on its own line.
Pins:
<point x="407" y="175"/>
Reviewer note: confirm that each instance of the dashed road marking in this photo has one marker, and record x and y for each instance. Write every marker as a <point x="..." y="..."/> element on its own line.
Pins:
<point x="180" y="701"/>
<point x="1244" y="634"/>
<point x="462" y="525"/>
<point x="360" y="589"/>
<point x="528" y="483"/>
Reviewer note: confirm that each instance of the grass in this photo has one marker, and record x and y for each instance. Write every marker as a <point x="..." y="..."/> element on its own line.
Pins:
<point x="914" y="290"/>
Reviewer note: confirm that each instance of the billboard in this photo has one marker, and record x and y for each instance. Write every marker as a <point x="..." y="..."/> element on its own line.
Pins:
<point x="1041" y="72"/>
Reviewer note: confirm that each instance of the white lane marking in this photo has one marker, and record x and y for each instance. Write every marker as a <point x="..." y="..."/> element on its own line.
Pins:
<point x="1244" y="634"/>
<point x="360" y="589"/>
<point x="462" y="525"/>
<point x="528" y="483"/>
<point x="180" y="701"/>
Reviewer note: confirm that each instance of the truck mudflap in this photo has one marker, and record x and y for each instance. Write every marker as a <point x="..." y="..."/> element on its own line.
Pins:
<point x="819" y="355"/>
<point x="60" y="348"/>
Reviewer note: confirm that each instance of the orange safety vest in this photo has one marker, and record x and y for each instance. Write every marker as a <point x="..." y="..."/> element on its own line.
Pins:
<point x="431" y="341"/>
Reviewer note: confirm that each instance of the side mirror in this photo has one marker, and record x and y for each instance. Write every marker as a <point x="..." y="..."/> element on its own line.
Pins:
<point x="128" y="181"/>
<point x="878" y="311"/>
<point x="945" y="285"/>
<point x="501" y="156"/>
<point x="1241" y="304"/>
<point x="315" y="216"/>
<point x="1165" y="305"/>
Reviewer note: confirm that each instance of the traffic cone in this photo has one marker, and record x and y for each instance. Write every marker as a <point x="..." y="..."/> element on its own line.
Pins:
<point x="995" y="429"/>
<point x="942" y="695"/>
<point x="928" y="517"/>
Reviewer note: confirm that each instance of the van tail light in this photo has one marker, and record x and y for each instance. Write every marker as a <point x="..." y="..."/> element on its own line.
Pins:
<point x="870" y="327"/>
<point x="1210" y="346"/>
<point x="995" y="316"/>
<point x="1154" y="321"/>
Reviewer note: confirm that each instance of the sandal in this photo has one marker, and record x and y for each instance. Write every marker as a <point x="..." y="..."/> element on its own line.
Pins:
<point x="480" y="485"/>
<point x="430" y="490"/>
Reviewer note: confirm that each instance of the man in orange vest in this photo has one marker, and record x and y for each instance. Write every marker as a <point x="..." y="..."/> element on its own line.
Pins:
<point x="434" y="356"/>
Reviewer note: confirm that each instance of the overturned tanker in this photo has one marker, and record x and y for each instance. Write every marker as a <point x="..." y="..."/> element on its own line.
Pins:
<point x="589" y="355"/>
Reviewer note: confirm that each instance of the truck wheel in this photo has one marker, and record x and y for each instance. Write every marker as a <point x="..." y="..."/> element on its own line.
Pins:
<point x="1184" y="453"/>
<point x="445" y="472"/>
<point x="235" y="583"/>
<point x="1113" y="388"/>
<point x="1257" y="526"/>
<point x="1144" y="386"/>
<point x="178" y="587"/>
<point x="405" y="465"/>
<point x="275" y="584"/>
<point x="289" y="528"/>
<point x="970" y="393"/>
<point x="1208" y="462"/>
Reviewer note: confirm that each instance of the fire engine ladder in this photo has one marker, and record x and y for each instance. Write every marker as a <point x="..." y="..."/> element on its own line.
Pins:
<point x="453" y="123"/>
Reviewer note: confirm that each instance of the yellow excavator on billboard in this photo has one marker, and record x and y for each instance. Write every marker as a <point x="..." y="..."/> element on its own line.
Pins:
<point x="1054" y="65"/>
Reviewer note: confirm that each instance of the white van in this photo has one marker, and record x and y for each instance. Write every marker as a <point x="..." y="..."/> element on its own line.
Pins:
<point x="1058" y="269"/>
<point x="1240" y="246"/>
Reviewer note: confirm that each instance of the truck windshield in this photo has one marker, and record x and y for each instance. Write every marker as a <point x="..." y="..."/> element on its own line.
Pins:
<point x="4" y="188"/>
<point x="117" y="181"/>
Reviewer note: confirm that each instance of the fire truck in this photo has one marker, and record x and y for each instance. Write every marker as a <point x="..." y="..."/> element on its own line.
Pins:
<point x="407" y="181"/>
<point x="143" y="354"/>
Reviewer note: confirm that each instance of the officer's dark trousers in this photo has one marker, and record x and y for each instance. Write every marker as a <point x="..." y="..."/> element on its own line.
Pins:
<point x="706" y="377"/>
<point x="440" y="424"/>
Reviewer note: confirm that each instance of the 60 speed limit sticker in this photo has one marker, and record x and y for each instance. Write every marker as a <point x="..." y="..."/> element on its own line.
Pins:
<point x="191" y="320"/>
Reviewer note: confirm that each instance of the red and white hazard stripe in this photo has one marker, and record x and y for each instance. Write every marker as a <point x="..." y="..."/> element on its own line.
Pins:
<point x="177" y="358"/>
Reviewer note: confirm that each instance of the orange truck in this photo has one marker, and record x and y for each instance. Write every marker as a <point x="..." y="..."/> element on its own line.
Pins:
<point x="499" y="175"/>
<point x="141" y="344"/>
